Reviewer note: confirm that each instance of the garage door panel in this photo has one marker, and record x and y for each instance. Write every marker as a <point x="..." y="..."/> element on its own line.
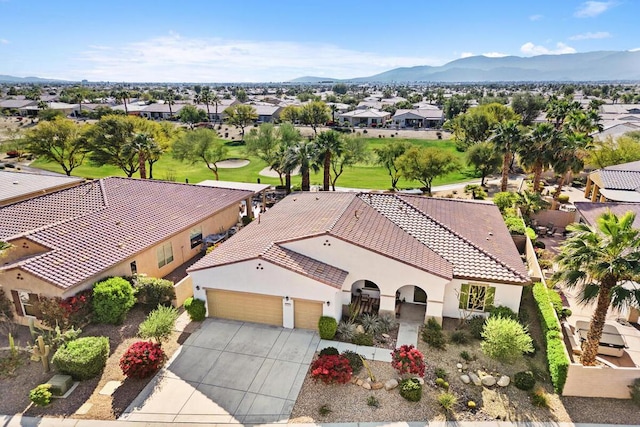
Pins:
<point x="306" y="314"/>
<point x="246" y="307"/>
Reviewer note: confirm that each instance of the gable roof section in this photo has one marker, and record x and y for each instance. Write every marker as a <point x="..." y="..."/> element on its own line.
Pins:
<point x="619" y="179"/>
<point x="20" y="185"/>
<point x="306" y="266"/>
<point x="100" y="224"/>
<point x="590" y="211"/>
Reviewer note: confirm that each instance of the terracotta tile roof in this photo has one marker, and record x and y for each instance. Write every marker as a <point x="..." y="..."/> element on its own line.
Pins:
<point x="591" y="211"/>
<point x="620" y="179"/>
<point x="305" y="265"/>
<point x="444" y="237"/>
<point x="94" y="226"/>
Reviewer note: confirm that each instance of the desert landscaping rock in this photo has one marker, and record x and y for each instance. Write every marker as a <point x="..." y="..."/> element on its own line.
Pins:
<point x="366" y="386"/>
<point x="488" y="380"/>
<point x="475" y="379"/>
<point x="390" y="384"/>
<point x="459" y="365"/>
<point x="110" y="387"/>
<point x="359" y="382"/>
<point x="377" y="386"/>
<point x="465" y="378"/>
<point x="504" y="381"/>
<point x="360" y="329"/>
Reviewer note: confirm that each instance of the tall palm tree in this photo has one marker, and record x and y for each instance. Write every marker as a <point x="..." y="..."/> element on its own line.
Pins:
<point x="535" y="152"/>
<point x="328" y="144"/>
<point x="288" y="136"/>
<point x="170" y="99"/>
<point x="600" y="260"/>
<point x="303" y="155"/>
<point x="142" y="144"/>
<point x="215" y="100"/>
<point x="506" y="138"/>
<point x="205" y="98"/>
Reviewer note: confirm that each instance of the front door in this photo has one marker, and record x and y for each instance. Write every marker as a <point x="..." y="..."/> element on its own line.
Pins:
<point x="419" y="295"/>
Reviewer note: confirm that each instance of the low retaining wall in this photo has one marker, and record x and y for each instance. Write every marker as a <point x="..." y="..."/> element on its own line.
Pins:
<point x="599" y="381"/>
<point x="559" y="219"/>
<point x="184" y="290"/>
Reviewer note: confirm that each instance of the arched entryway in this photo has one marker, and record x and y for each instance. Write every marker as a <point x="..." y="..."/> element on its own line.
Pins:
<point x="411" y="304"/>
<point x="365" y="297"/>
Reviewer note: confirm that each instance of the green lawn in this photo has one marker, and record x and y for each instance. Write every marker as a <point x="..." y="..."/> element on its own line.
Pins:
<point x="367" y="176"/>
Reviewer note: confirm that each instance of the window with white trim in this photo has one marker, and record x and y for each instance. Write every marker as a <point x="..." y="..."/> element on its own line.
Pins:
<point x="27" y="302"/>
<point x="165" y="254"/>
<point x="195" y="236"/>
<point x="476" y="297"/>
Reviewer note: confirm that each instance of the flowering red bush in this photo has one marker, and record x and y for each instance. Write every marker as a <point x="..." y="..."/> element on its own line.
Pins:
<point x="78" y="307"/>
<point x="407" y="359"/>
<point x="142" y="359"/>
<point x="331" y="369"/>
<point x="71" y="311"/>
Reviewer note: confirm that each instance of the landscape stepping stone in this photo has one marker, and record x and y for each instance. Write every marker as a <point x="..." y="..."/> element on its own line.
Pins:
<point x="110" y="387"/>
<point x="504" y="381"/>
<point x="488" y="380"/>
<point x="84" y="409"/>
<point x="475" y="379"/>
<point x="60" y="384"/>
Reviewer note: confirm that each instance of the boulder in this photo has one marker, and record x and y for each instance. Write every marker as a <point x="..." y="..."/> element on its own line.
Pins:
<point x="465" y="378"/>
<point x="377" y="386"/>
<point x="390" y="384"/>
<point x="386" y="336"/>
<point x="504" y="381"/>
<point x="366" y="386"/>
<point x="359" y="382"/>
<point x="474" y="378"/>
<point x="488" y="380"/>
<point x="360" y="329"/>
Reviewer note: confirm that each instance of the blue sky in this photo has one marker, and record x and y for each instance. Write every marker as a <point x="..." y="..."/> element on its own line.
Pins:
<point x="278" y="40"/>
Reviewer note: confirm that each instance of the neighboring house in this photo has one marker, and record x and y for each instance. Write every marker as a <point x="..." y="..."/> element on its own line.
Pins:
<point x="17" y="186"/>
<point x="371" y="117"/>
<point x="63" y="107"/>
<point x="65" y="241"/>
<point x="313" y="254"/>
<point x="133" y="109"/>
<point x="161" y="111"/>
<point x="267" y="113"/>
<point x="16" y="105"/>
<point x="423" y="118"/>
<point x="216" y="113"/>
<point x="617" y="183"/>
<point x="616" y="128"/>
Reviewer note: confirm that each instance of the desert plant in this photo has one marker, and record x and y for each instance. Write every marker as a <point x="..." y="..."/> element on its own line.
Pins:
<point x="503" y="311"/>
<point x="524" y="380"/>
<point x="324" y="410"/>
<point x="41" y="395"/>
<point x="355" y="360"/>
<point x="442" y="383"/>
<point x="40" y="351"/>
<point x="329" y="351"/>
<point x="371" y="324"/>
<point x="112" y="300"/>
<point x="346" y="329"/>
<point x="142" y="359"/>
<point x="327" y="327"/>
<point x="432" y="334"/>
<point x="159" y="324"/>
<point x="83" y="358"/>
<point x="6" y="311"/>
<point x="363" y="339"/>
<point x="152" y="291"/>
<point x="475" y="325"/>
<point x="386" y="323"/>
<point x="459" y="337"/>
<point x="331" y="369"/>
<point x="505" y="339"/>
<point x="466" y="356"/>
<point x="373" y="401"/>
<point x="634" y="390"/>
<point x="447" y="401"/>
<point x="407" y="359"/>
<point x="441" y="373"/>
<point x="195" y="308"/>
<point x="411" y="389"/>
<point x="539" y="398"/>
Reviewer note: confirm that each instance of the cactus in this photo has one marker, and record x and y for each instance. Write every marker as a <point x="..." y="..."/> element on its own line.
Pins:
<point x="32" y="328"/>
<point x="12" y="346"/>
<point x="366" y="365"/>
<point x="41" y="352"/>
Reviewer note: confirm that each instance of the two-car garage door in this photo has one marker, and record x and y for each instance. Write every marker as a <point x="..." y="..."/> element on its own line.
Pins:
<point x="259" y="308"/>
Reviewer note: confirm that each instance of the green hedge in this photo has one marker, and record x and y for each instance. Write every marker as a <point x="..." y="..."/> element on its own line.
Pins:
<point x="557" y="359"/>
<point x="327" y="327"/>
<point x="195" y="308"/>
<point x="112" y="300"/>
<point x="83" y="358"/>
<point x="153" y="291"/>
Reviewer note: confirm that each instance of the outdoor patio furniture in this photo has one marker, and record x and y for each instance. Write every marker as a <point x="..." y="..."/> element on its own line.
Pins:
<point x="551" y="231"/>
<point x="612" y="343"/>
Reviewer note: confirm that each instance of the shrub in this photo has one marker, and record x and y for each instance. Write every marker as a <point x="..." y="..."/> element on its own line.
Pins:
<point x="504" y="312"/>
<point x="515" y="225"/>
<point x="41" y="395"/>
<point x="411" y="389"/>
<point x="371" y="324"/>
<point x="79" y="308"/>
<point x="66" y="313"/>
<point x="447" y="401"/>
<point x="549" y="321"/>
<point x="159" y="324"/>
<point x="153" y="291"/>
<point x="476" y="326"/>
<point x="331" y="369"/>
<point x="386" y="323"/>
<point x="196" y="309"/>
<point x="52" y="313"/>
<point x="441" y="373"/>
<point x="539" y="244"/>
<point x="5" y="306"/>
<point x="634" y="390"/>
<point x="346" y="329"/>
<point x="112" y="300"/>
<point x="505" y="339"/>
<point x="556" y="301"/>
<point x="563" y="198"/>
<point x="539" y="398"/>
<point x="504" y="200"/>
<point x="142" y="359"/>
<point x="524" y="380"/>
<point x="407" y="359"/>
<point x="327" y="326"/>
<point x="363" y="339"/>
<point x="329" y="351"/>
<point x="83" y="358"/>
<point x="432" y="334"/>
<point x="373" y="401"/>
<point x="459" y="337"/>
<point x="354" y="360"/>
<point x="324" y="410"/>
<point x="466" y="356"/>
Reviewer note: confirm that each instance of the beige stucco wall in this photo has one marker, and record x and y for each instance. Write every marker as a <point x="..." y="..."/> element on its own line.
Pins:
<point x="507" y="295"/>
<point x="599" y="381"/>
<point x="20" y="248"/>
<point x="184" y="290"/>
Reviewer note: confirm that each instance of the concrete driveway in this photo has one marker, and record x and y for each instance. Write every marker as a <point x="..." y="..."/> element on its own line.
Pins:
<point x="229" y="371"/>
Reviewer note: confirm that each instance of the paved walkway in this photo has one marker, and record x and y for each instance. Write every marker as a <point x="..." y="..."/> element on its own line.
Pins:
<point x="408" y="334"/>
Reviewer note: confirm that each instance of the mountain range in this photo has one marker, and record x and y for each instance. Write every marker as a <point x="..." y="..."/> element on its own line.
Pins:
<point x="588" y="66"/>
<point x="13" y="79"/>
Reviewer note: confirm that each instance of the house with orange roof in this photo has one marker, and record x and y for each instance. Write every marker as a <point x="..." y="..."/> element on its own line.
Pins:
<point x="315" y="254"/>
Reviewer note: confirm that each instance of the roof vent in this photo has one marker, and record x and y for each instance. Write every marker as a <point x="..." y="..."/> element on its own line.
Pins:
<point x="15" y="183"/>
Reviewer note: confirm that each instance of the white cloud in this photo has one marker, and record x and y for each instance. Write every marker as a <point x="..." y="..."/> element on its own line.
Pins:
<point x="536" y="17"/>
<point x="637" y="49"/>
<point x="466" y="54"/>
<point x="532" y="49"/>
<point x="495" y="54"/>
<point x="174" y="58"/>
<point x="4" y="41"/>
<point x="592" y="9"/>
<point x="591" y="36"/>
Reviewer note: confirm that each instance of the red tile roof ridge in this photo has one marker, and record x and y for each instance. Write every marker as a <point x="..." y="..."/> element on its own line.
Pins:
<point x="464" y="239"/>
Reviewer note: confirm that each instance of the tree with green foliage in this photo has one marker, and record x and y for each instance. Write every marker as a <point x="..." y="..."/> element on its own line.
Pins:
<point x="423" y="164"/>
<point x="340" y="88"/>
<point x="289" y="136"/>
<point x="190" y="115"/>
<point x="484" y="159"/>
<point x="169" y="97"/>
<point x="528" y="106"/>
<point x="263" y="143"/>
<point x="291" y="114"/>
<point x="108" y="141"/>
<point x="609" y="152"/>
<point x="49" y="114"/>
<point x="536" y="151"/>
<point x="161" y="134"/>
<point x="353" y="151"/>
<point x="241" y="116"/>
<point x="601" y="260"/>
<point x="387" y="156"/>
<point x="477" y="124"/>
<point x="314" y="114"/>
<point x="140" y="146"/>
<point x="303" y="155"/>
<point x="455" y="105"/>
<point x="58" y="141"/>
<point x="506" y="138"/>
<point x="200" y="145"/>
<point x="241" y="95"/>
<point x="329" y="144"/>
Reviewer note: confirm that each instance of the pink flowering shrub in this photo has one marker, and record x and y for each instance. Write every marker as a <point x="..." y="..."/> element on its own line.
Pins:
<point x="142" y="359"/>
<point x="407" y="359"/>
<point x="332" y="369"/>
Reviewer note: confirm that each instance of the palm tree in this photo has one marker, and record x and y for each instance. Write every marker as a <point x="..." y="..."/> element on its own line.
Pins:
<point x="328" y="144"/>
<point x="535" y="153"/>
<point x="205" y="98"/>
<point x="142" y="144"/>
<point x="303" y="155"/>
<point x="506" y="138"/>
<point x="170" y="99"/>
<point x="215" y="100"/>
<point x="600" y="260"/>
<point x="288" y="136"/>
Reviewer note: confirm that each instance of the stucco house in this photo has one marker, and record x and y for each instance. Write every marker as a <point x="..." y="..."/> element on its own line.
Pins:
<point x="16" y="186"/>
<point x="313" y="254"/>
<point x="161" y="111"/>
<point x="616" y="183"/>
<point x="370" y="117"/>
<point x="419" y="118"/>
<point x="65" y="241"/>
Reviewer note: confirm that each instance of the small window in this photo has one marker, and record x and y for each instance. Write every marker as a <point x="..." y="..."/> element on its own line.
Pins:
<point x="476" y="297"/>
<point x="28" y="301"/>
<point x="195" y="236"/>
<point x="164" y="254"/>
